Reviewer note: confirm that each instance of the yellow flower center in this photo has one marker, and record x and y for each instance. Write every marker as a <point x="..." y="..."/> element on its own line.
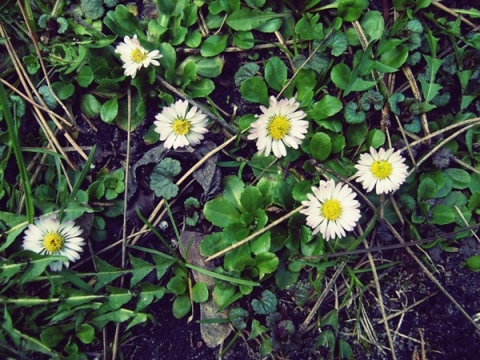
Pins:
<point x="53" y="242"/>
<point x="181" y="126"/>
<point x="278" y="127"/>
<point x="138" y="56"/>
<point x="381" y="169"/>
<point x="331" y="209"/>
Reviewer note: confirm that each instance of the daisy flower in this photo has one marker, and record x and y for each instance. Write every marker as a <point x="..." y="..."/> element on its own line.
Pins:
<point x="383" y="170"/>
<point x="179" y="127"/>
<point x="135" y="55"/>
<point x="280" y="125"/>
<point x="49" y="236"/>
<point x="332" y="209"/>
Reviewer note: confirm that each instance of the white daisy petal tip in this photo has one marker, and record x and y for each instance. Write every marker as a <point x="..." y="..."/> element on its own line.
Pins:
<point x="331" y="210"/>
<point x="135" y="56"/>
<point x="48" y="236"/>
<point x="280" y="126"/>
<point x="176" y="125"/>
<point x="382" y="170"/>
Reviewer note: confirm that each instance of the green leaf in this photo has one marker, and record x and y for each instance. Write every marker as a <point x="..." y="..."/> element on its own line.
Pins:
<point x="177" y="285"/>
<point x="351" y="10"/>
<point x="266" y="263"/>
<point x="90" y="106"/>
<point x="245" y="19"/>
<point x="181" y="306"/>
<point x="266" y="305"/>
<point x="461" y="178"/>
<point x="443" y="215"/>
<point x="354" y="115"/>
<point x="140" y="269"/>
<point x="245" y="72"/>
<point x="238" y="317"/>
<point x="243" y="39"/>
<point x="86" y="333"/>
<point x="148" y="294"/>
<point x="200" y="88"/>
<point x="109" y="110"/>
<point x="32" y="64"/>
<point x="63" y="89"/>
<point x="51" y="336"/>
<point x="213" y="45"/>
<point x="255" y="90"/>
<point x="320" y="146"/>
<point x="92" y="9"/>
<point x="374" y="24"/>
<point x="252" y="199"/>
<point x="220" y="212"/>
<point x="199" y="293"/>
<point x="340" y="76"/>
<point x="473" y="263"/>
<point x="85" y="76"/>
<point x="275" y="73"/>
<point x="426" y="189"/>
<point x="239" y="258"/>
<point x="161" y="178"/>
<point x="324" y="108"/>
<point x="395" y="57"/>
<point x="376" y="138"/>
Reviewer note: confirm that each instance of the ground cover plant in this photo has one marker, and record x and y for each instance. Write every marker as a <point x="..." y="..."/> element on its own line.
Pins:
<point x="239" y="179"/>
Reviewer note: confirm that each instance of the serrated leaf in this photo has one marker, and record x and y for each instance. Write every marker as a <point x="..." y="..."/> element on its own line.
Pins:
<point x="266" y="305"/>
<point x="148" y="294"/>
<point x="237" y="317"/>
<point x="161" y="178"/>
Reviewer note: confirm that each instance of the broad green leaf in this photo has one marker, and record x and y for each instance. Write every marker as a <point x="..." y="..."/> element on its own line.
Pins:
<point x="266" y="262"/>
<point x="461" y="178"/>
<point x="443" y="215"/>
<point x="181" y="306"/>
<point x="239" y="258"/>
<point x="51" y="336"/>
<point x="200" y="88"/>
<point x="252" y="199"/>
<point x="177" y="285"/>
<point x="261" y="244"/>
<point x="275" y="73"/>
<point x="340" y="76"/>
<point x="86" y="333"/>
<point x="426" y="189"/>
<point x="374" y="24"/>
<point x="213" y="45"/>
<point x="109" y="110"/>
<point x="473" y="263"/>
<point x="90" y="106"/>
<point x="245" y="19"/>
<point x="351" y="10"/>
<point x="325" y="107"/>
<point x="320" y="146"/>
<point x="220" y="212"/>
<point x="85" y="76"/>
<point x="395" y="57"/>
<point x="376" y="138"/>
<point x="199" y="293"/>
<point x="255" y="90"/>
